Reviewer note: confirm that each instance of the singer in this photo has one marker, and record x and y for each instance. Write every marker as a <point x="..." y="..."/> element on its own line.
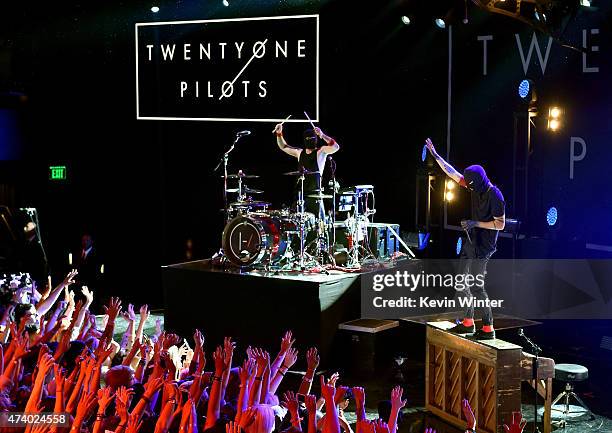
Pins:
<point x="311" y="158"/>
<point x="488" y="218"/>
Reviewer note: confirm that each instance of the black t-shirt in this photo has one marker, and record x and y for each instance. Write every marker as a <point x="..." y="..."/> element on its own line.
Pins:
<point x="485" y="206"/>
<point x="309" y="161"/>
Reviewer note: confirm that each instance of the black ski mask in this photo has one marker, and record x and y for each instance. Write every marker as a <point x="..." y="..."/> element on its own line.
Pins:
<point x="476" y="178"/>
<point x="310" y="139"/>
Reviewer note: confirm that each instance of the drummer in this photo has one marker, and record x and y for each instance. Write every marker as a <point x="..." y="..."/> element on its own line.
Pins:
<point x="310" y="158"/>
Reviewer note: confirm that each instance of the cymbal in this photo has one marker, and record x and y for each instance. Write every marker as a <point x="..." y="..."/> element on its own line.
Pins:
<point x="300" y="172"/>
<point x="241" y="175"/>
<point x="246" y="190"/>
<point x="320" y="196"/>
<point x="250" y="203"/>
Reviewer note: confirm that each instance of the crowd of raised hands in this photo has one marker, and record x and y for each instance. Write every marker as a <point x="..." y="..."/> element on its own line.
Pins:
<point x="56" y="359"/>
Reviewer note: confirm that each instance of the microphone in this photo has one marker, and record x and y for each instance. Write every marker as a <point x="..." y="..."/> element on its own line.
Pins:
<point x="243" y="133"/>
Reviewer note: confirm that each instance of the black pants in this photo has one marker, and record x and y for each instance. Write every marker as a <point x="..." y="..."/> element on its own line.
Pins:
<point x="474" y="262"/>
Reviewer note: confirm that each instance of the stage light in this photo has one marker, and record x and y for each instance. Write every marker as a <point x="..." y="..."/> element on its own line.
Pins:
<point x="553" y="125"/>
<point x="449" y="196"/>
<point x="524" y="88"/>
<point x="552" y="216"/>
<point x="554" y="118"/>
<point x="225" y="3"/>
<point x="405" y="19"/>
<point x="585" y="3"/>
<point x="459" y="245"/>
<point x="440" y="23"/>
<point x="450" y="185"/>
<point x="527" y="93"/>
<point x="155" y="9"/>
<point x="555" y="112"/>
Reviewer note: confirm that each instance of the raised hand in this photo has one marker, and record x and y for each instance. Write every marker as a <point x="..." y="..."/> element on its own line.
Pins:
<point x="327" y="391"/>
<point x="380" y="426"/>
<point x="290" y="401"/>
<point x="86" y="404"/>
<point x="366" y="426"/>
<point x="22" y="346"/>
<point x="228" y="348"/>
<point x="232" y="427"/>
<point x="246" y="370"/>
<point x="468" y="413"/>
<point x="218" y="360"/>
<point x="312" y="358"/>
<point x="518" y="423"/>
<point x="198" y="339"/>
<point x="113" y="309"/>
<point x="134" y="424"/>
<point x="129" y="314"/>
<point x="278" y="129"/>
<point x="88" y="294"/>
<point x="105" y="396"/>
<point x="333" y="379"/>
<point x="68" y="280"/>
<point x="144" y="313"/>
<point x="311" y="403"/>
<point x="287" y="341"/>
<point x="431" y="147"/>
<point x="122" y="402"/>
<point x="290" y="357"/>
<point x="247" y="417"/>
<point x="60" y="377"/>
<point x="340" y="393"/>
<point x="396" y="397"/>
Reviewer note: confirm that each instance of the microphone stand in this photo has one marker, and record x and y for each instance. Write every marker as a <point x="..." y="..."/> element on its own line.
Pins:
<point x="536" y="352"/>
<point x="224" y="160"/>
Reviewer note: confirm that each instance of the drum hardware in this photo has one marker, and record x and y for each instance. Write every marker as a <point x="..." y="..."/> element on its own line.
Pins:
<point x="242" y="175"/>
<point x="302" y="172"/>
<point x="246" y="190"/>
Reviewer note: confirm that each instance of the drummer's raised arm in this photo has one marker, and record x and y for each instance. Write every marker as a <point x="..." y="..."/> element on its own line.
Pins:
<point x="282" y="144"/>
<point x="331" y="146"/>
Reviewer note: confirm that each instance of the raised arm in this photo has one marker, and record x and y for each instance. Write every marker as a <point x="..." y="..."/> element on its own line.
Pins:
<point x="396" y="406"/>
<point x="45" y="305"/>
<point x="282" y="144"/>
<point x="445" y="166"/>
<point x="331" y="146"/>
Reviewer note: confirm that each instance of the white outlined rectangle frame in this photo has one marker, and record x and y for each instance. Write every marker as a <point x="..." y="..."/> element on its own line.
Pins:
<point x="221" y="20"/>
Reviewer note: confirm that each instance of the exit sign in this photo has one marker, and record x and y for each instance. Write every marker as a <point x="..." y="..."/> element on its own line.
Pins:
<point x="57" y="172"/>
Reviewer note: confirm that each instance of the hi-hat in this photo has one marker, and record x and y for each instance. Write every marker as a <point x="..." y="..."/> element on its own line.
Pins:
<point x="300" y="172"/>
<point x="250" y="203"/>
<point x="246" y="190"/>
<point x="242" y="176"/>
<point x="320" y="196"/>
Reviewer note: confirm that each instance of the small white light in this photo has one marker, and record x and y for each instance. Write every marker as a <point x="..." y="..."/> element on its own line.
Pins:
<point x="440" y="23"/>
<point x="555" y="112"/>
<point x="405" y="19"/>
<point x="450" y="184"/>
<point x="449" y="196"/>
<point x="155" y="9"/>
<point x="225" y="3"/>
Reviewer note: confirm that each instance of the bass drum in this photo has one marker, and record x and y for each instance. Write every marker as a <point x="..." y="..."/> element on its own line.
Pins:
<point x="255" y="238"/>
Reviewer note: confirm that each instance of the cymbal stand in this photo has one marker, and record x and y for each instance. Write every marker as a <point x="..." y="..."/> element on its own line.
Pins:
<point x="354" y="252"/>
<point x="300" y="212"/>
<point x="332" y="246"/>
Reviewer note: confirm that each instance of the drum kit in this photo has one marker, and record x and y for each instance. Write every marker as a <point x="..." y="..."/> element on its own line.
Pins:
<point x="256" y="235"/>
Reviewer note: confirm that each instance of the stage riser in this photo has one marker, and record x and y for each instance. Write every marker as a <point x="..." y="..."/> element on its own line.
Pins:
<point x="257" y="310"/>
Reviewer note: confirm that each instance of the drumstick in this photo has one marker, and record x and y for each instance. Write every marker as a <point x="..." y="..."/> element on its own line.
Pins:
<point x="288" y="117"/>
<point x="308" y="117"/>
